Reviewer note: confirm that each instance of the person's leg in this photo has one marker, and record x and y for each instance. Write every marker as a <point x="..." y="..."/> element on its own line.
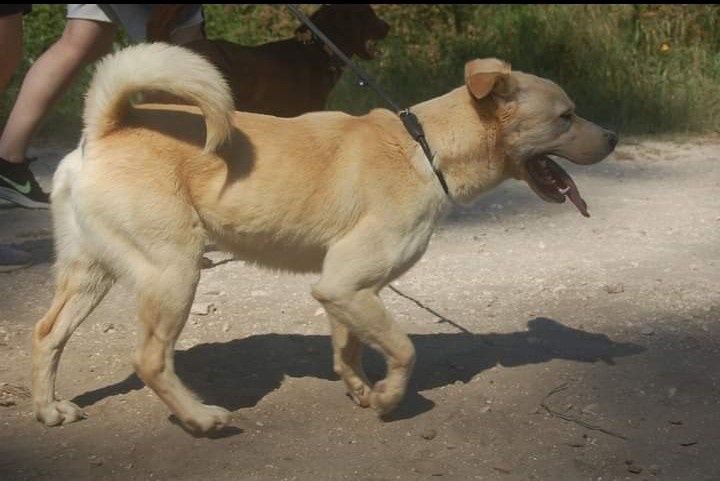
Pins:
<point x="11" y="44"/>
<point x="11" y="32"/>
<point x="183" y="35"/>
<point x="191" y="26"/>
<point x="83" y="41"/>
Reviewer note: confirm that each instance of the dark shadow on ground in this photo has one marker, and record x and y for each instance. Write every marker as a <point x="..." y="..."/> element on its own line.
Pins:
<point x="239" y="373"/>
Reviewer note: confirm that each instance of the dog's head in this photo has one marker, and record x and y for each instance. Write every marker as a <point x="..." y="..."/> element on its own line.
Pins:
<point x="538" y="119"/>
<point x="353" y="28"/>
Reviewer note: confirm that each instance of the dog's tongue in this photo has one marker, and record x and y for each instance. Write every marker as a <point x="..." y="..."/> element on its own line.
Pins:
<point x="573" y="193"/>
<point x="574" y="196"/>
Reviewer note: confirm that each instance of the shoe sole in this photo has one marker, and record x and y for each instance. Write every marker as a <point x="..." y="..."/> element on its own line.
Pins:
<point x="14" y="267"/>
<point x="19" y="199"/>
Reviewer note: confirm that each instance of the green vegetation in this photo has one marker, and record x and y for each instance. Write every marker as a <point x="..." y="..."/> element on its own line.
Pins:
<point x="637" y="68"/>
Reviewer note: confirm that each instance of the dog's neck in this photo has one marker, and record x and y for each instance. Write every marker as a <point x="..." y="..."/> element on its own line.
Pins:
<point x="334" y="64"/>
<point x="464" y="135"/>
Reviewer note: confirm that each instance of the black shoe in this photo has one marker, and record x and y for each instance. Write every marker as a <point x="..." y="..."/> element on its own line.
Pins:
<point x="18" y="185"/>
<point x="12" y="259"/>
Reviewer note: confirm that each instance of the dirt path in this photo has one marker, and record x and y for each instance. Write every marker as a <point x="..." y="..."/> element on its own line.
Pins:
<point x="616" y="316"/>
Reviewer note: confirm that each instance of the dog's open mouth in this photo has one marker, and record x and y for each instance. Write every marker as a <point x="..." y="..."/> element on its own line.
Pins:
<point x="552" y="184"/>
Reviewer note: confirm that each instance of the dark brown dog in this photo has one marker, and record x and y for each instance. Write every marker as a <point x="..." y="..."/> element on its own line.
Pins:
<point x="294" y="76"/>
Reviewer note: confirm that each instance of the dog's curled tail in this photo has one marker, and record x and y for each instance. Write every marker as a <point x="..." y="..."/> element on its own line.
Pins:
<point x="162" y="67"/>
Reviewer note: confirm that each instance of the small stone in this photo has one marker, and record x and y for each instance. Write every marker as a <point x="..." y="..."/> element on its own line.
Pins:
<point x="654" y="470"/>
<point x="429" y="434"/>
<point x="319" y="312"/>
<point x="502" y="470"/>
<point x="202" y="308"/>
<point x="635" y="469"/>
<point x="647" y="331"/>
<point x="614" y="288"/>
<point x="590" y="409"/>
<point x="226" y="327"/>
<point x="109" y="328"/>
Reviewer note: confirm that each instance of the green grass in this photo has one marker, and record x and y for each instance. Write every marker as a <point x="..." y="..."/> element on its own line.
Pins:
<point x="639" y="69"/>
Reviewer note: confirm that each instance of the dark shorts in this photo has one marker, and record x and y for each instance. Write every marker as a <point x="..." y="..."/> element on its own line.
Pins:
<point x="14" y="9"/>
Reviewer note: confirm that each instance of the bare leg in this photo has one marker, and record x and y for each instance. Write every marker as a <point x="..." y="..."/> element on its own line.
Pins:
<point x="83" y="41"/>
<point x="80" y="287"/>
<point x="11" y="33"/>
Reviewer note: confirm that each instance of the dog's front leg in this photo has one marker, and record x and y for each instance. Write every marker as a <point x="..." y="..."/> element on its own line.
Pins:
<point x="347" y="362"/>
<point x="355" y="269"/>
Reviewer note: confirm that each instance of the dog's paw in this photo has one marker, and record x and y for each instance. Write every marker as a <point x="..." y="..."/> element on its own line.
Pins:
<point x="59" y="412"/>
<point x="360" y="395"/>
<point x="384" y="398"/>
<point x="207" y="419"/>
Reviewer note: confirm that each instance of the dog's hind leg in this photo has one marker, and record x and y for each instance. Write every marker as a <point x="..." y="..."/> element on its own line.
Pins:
<point x="354" y="271"/>
<point x="165" y="298"/>
<point x="81" y="285"/>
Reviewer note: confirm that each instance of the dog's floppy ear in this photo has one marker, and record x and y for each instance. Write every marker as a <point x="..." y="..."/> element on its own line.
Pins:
<point x="488" y="75"/>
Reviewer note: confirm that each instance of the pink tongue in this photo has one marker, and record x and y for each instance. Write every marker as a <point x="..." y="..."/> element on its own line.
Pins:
<point x="575" y="198"/>
<point x="573" y="193"/>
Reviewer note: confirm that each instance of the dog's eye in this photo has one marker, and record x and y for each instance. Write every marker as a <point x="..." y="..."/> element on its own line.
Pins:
<point x="567" y="116"/>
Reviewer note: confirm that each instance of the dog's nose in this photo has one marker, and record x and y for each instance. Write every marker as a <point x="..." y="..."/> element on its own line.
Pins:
<point x="612" y="138"/>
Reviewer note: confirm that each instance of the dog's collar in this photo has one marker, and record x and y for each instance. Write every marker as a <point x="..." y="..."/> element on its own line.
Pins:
<point x="409" y="120"/>
<point x="416" y="131"/>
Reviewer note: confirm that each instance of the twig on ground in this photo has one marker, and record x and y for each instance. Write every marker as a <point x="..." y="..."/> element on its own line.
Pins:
<point x="572" y="419"/>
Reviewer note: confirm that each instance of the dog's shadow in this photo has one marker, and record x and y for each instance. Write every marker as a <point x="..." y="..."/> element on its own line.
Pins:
<point x="238" y="374"/>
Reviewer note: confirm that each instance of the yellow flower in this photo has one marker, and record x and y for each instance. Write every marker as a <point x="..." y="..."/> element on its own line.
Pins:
<point x="665" y="47"/>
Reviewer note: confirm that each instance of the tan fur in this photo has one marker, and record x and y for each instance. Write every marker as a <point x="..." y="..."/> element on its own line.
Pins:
<point x="351" y="197"/>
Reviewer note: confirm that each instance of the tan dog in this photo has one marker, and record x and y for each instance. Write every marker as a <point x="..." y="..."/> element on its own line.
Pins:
<point x="351" y="197"/>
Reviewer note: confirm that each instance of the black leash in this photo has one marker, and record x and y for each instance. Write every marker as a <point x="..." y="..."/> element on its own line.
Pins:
<point x="409" y="119"/>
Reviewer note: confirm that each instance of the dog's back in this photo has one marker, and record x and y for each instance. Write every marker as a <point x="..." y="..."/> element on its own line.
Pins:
<point x="283" y="78"/>
<point x="290" y="77"/>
